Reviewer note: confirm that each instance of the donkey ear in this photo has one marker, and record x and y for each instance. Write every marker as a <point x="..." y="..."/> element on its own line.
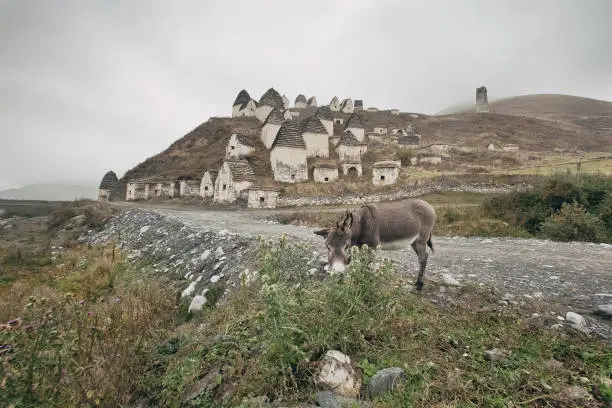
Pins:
<point x="348" y="221"/>
<point x="322" y="232"/>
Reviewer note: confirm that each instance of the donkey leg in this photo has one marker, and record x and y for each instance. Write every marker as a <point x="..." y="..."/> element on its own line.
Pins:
<point x="421" y="250"/>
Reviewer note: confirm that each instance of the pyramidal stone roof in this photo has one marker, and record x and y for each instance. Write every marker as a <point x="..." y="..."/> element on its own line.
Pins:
<point x="300" y="98"/>
<point x="312" y="100"/>
<point x="349" y="139"/>
<point x="241" y="170"/>
<point x="313" y="125"/>
<point x="334" y="100"/>
<point x="289" y="135"/>
<point x="242" y="98"/>
<point x="275" y="117"/>
<point x="109" y="181"/>
<point x="273" y="99"/>
<point x="213" y="175"/>
<point x="243" y="138"/>
<point x="345" y="102"/>
<point x="355" y="122"/>
<point x="324" y="112"/>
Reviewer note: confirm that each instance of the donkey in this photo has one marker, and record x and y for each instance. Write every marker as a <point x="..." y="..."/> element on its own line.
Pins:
<point x="392" y="225"/>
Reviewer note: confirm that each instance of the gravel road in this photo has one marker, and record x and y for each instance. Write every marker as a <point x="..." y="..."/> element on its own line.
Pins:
<point x="578" y="275"/>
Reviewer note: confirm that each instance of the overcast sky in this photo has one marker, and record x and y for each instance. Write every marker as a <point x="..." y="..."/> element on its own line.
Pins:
<point x="88" y="86"/>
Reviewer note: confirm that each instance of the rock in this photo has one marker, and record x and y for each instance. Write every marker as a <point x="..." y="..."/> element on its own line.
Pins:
<point x="502" y="302"/>
<point x="219" y="252"/>
<point x="328" y="399"/>
<point x="197" y="303"/>
<point x="496" y="354"/>
<point x="535" y="315"/>
<point x="584" y="380"/>
<point x="205" y="255"/>
<point x="189" y="290"/>
<point x="508" y="297"/>
<point x="557" y="326"/>
<point x="578" y="393"/>
<point x="208" y="383"/>
<point x="603" y="310"/>
<point x="386" y="380"/>
<point x="215" y="278"/>
<point x="144" y="229"/>
<point x="447" y="279"/>
<point x="223" y="232"/>
<point x="577" y="322"/>
<point x="338" y="374"/>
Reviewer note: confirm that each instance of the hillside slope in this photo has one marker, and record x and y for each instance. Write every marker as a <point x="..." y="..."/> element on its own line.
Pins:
<point x="551" y="106"/>
<point x="50" y="192"/>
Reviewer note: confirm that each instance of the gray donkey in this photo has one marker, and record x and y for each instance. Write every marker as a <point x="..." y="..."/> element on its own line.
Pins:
<point x="392" y="225"/>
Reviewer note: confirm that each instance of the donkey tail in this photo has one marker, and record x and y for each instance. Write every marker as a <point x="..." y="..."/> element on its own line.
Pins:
<point x="430" y="244"/>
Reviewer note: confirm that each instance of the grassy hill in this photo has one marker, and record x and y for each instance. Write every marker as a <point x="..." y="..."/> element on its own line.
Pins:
<point x="537" y="123"/>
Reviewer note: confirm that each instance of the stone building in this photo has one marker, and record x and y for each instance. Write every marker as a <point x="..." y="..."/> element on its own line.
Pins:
<point x="262" y="197"/>
<point x="358" y="104"/>
<point x="334" y="140"/>
<point x="288" y="156"/>
<point x="347" y="106"/>
<point x="408" y="140"/>
<point x="189" y="188"/>
<point x="356" y="126"/>
<point x="270" y="127"/>
<point x="395" y="112"/>
<point x="312" y="102"/>
<point x="136" y="190"/>
<point x="243" y="105"/>
<point x="385" y="173"/>
<point x="269" y="100"/>
<point x="300" y="102"/>
<point x="315" y="137"/>
<point x="349" y="148"/>
<point x="325" y="172"/>
<point x="324" y="114"/>
<point x="334" y="105"/>
<point x="158" y="187"/>
<point x="233" y="180"/>
<point x="239" y="145"/>
<point x="207" y="186"/>
<point x="108" y="187"/>
<point x="352" y="169"/>
<point x="285" y="101"/>
<point x="482" y="100"/>
<point x="381" y="130"/>
<point x="430" y="160"/>
<point x="338" y="120"/>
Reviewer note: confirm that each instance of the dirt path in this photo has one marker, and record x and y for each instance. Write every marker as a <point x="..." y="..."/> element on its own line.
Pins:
<point x="578" y="275"/>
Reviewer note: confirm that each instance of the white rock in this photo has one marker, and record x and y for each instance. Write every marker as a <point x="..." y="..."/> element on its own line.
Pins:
<point x="189" y="290"/>
<point x="215" y="278"/>
<point x="223" y="232"/>
<point x="575" y="318"/>
<point x="199" y="279"/>
<point x="205" y="255"/>
<point x="144" y="229"/>
<point x="337" y="374"/>
<point x="449" y="280"/>
<point x="219" y="252"/>
<point x="603" y="310"/>
<point x="197" y="304"/>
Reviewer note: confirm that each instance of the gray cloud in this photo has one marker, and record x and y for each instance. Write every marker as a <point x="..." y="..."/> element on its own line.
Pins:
<point x="91" y="86"/>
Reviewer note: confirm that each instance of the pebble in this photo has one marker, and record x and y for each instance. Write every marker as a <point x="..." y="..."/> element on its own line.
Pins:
<point x="449" y="280"/>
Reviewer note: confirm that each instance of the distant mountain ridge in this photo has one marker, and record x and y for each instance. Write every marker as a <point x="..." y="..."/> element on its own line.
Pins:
<point x="51" y="192"/>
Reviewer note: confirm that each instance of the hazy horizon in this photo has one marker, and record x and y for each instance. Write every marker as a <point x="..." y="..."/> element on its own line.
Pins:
<point x="86" y="88"/>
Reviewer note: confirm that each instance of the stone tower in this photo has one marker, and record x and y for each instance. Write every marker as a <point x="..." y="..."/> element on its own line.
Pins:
<point x="482" y="101"/>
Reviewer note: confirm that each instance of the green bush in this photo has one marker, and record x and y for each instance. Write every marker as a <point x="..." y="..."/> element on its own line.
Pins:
<point x="573" y="223"/>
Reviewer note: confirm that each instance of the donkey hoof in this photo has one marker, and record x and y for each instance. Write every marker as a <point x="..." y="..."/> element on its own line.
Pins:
<point x="419" y="285"/>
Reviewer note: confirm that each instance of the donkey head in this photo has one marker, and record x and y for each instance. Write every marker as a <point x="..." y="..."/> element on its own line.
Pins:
<point x="338" y="242"/>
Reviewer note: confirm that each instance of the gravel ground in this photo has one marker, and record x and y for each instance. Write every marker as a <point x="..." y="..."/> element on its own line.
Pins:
<point x="578" y="275"/>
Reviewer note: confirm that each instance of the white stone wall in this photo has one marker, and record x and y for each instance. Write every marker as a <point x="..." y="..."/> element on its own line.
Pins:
<point x="329" y="126"/>
<point x="334" y="140"/>
<point x="262" y="198"/>
<point x="207" y="188"/>
<point x="235" y="111"/>
<point x="430" y="160"/>
<point x="248" y="110"/>
<point x="441" y="147"/>
<point x="300" y="105"/>
<point x="376" y="137"/>
<point x="268" y="134"/>
<point x="348" y="106"/>
<point x="381" y="130"/>
<point x="236" y="149"/>
<point x="339" y="121"/>
<point x="135" y="191"/>
<point x="104" y="195"/>
<point x="285" y="173"/>
<point x="289" y="164"/>
<point x="359" y="133"/>
<point x="324" y="174"/>
<point x="351" y="152"/>
<point x="285" y="102"/>
<point x="334" y="105"/>
<point x="382" y="176"/>
<point x="226" y="189"/>
<point x="189" y="188"/>
<point x="510" y="148"/>
<point x="262" y="112"/>
<point x="394" y="111"/>
<point x="317" y="145"/>
<point x="346" y="167"/>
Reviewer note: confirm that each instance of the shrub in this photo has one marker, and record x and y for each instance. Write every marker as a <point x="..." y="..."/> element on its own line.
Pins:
<point x="573" y="223"/>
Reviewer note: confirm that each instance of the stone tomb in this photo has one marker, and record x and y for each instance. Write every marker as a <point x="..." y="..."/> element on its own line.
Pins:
<point x="262" y="197"/>
<point x="325" y="173"/>
<point x="385" y="173"/>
